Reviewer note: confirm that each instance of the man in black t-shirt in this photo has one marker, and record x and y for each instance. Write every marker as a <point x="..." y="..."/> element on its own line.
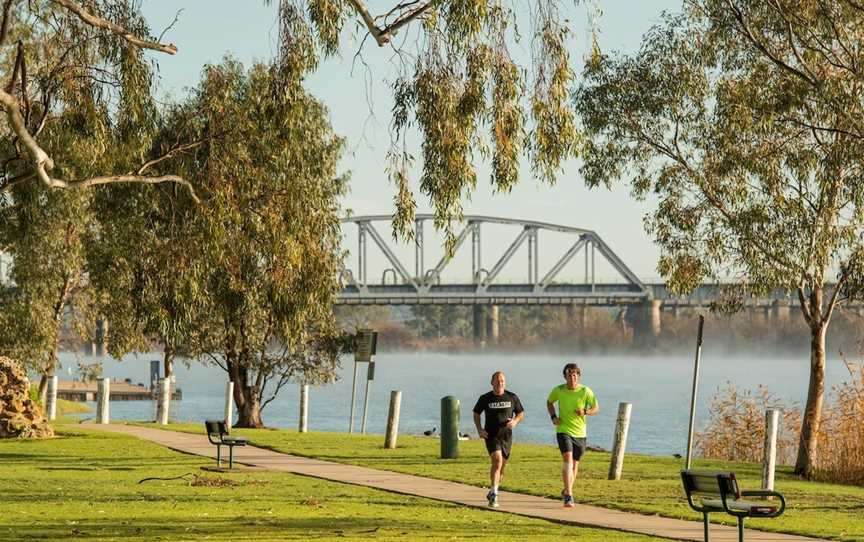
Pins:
<point x="502" y="411"/>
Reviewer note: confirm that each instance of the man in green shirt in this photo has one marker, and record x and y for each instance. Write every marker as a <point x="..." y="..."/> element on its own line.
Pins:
<point x="575" y="402"/>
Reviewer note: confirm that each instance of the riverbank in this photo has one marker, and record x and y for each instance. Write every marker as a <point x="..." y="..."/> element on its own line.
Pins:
<point x="96" y="486"/>
<point x="651" y="484"/>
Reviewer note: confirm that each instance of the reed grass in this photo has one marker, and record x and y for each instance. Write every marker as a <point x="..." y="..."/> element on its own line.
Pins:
<point x="736" y="429"/>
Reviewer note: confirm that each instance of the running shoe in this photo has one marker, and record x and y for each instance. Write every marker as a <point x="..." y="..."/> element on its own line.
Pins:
<point x="568" y="501"/>
<point x="492" y="497"/>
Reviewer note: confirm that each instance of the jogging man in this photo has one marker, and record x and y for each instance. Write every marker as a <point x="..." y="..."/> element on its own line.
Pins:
<point x="502" y="411"/>
<point x="575" y="402"/>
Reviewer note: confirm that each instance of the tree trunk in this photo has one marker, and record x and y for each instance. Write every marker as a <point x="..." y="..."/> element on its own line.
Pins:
<point x="250" y="414"/>
<point x="247" y="398"/>
<point x="806" y="461"/>
<point x="43" y="388"/>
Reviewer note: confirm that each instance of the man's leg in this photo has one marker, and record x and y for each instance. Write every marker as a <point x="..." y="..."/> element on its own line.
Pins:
<point x="567" y="472"/>
<point x="496" y="469"/>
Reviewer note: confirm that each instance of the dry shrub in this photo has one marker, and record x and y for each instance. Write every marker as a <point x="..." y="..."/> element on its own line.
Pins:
<point x="841" y="434"/>
<point x="202" y="480"/>
<point x="211" y="481"/>
<point x="736" y="427"/>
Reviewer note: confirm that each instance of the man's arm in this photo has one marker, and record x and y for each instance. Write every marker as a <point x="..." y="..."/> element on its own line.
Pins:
<point x="588" y="411"/>
<point x="514" y="421"/>
<point x="550" y="408"/>
<point x="480" y="430"/>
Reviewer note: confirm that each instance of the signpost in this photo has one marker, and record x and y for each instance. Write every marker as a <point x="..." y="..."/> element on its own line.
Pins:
<point x="364" y="352"/>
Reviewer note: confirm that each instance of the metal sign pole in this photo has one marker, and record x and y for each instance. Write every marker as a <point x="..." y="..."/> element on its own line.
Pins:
<point x="693" y="393"/>
<point x="364" y="351"/>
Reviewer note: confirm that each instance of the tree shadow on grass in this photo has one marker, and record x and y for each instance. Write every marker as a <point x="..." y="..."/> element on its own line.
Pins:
<point x="253" y="528"/>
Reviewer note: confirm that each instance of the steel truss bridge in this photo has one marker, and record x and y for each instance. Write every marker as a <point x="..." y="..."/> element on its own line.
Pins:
<point x="399" y="286"/>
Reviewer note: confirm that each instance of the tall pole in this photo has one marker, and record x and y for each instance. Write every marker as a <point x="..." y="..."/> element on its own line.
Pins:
<point x="693" y="393"/>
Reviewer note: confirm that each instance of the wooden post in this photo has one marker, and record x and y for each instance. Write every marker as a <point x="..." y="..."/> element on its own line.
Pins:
<point x="622" y="425"/>
<point x="304" y="408"/>
<point x="229" y="403"/>
<point x="393" y="420"/>
<point x="163" y="398"/>
<point x="103" y="399"/>
<point x="769" y="451"/>
<point x="51" y="399"/>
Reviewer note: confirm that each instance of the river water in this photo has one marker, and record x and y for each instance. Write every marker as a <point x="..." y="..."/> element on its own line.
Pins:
<point x="658" y="388"/>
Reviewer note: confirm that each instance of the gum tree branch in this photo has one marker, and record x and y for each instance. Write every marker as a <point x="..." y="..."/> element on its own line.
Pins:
<point x="43" y="164"/>
<point x="176" y="150"/>
<point x="4" y="26"/>
<point x="384" y="35"/>
<point x="105" y="24"/>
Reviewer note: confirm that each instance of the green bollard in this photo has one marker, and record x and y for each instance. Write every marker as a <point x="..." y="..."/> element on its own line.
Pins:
<point x="449" y="427"/>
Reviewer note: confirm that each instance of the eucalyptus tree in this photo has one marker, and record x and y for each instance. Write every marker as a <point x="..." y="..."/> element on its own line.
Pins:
<point x="745" y="120"/>
<point x="145" y="262"/>
<point x="268" y="231"/>
<point x="46" y="234"/>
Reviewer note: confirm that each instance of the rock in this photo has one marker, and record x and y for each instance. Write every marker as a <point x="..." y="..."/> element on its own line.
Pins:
<point x="19" y="416"/>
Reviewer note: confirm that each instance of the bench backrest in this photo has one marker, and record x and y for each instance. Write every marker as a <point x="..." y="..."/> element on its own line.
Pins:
<point x="216" y="429"/>
<point x="716" y="484"/>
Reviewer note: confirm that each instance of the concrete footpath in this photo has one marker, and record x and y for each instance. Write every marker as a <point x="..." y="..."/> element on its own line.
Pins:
<point x="513" y="503"/>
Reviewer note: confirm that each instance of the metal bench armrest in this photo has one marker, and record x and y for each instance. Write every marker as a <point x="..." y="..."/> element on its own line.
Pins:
<point x="766" y="493"/>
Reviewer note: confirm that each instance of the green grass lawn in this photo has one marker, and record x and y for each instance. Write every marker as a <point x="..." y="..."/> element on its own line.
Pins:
<point x="651" y="484"/>
<point x="84" y="485"/>
<point x="65" y="407"/>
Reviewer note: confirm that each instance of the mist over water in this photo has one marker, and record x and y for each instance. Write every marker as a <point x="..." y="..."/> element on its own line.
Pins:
<point x="659" y="389"/>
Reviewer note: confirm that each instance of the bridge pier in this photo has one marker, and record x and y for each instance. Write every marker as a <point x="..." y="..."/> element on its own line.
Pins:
<point x="647" y="323"/>
<point x="480" y="326"/>
<point x="577" y="315"/>
<point x="780" y="310"/>
<point x="492" y="324"/>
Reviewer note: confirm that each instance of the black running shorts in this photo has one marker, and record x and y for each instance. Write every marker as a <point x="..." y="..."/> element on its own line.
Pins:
<point x="502" y="441"/>
<point x="576" y="445"/>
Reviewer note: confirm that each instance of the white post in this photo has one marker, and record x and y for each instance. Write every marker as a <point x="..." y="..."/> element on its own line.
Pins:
<point x="304" y="408"/>
<point x="353" y="399"/>
<point x="769" y="458"/>
<point x="103" y="399"/>
<point x="622" y="425"/>
<point x="51" y="400"/>
<point x="370" y="376"/>
<point x="163" y="401"/>
<point x="229" y="403"/>
<point x="393" y="420"/>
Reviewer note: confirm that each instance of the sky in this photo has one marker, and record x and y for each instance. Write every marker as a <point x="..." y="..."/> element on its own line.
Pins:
<point x="359" y="101"/>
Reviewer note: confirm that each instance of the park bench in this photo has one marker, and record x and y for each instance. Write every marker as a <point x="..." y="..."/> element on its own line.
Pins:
<point x="217" y="433"/>
<point x="709" y="491"/>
